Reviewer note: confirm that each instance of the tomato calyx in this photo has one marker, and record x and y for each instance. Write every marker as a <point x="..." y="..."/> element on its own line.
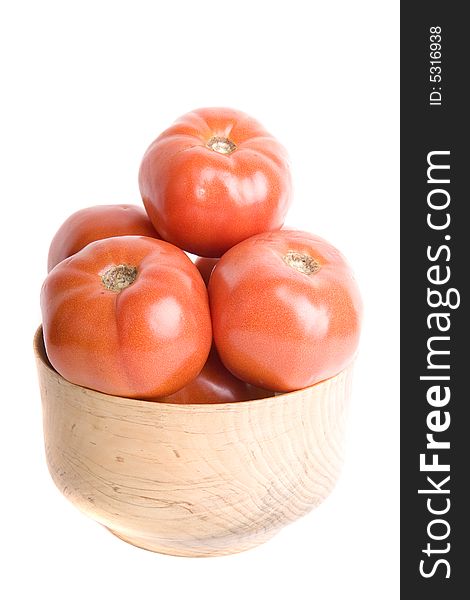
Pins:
<point x="222" y="145"/>
<point x="118" y="277"/>
<point x="302" y="262"/>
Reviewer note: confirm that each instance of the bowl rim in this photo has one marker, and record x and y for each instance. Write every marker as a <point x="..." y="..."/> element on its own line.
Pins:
<point x="41" y="356"/>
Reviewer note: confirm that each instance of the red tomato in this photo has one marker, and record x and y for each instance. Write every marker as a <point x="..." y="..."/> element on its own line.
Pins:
<point x="127" y="316"/>
<point x="286" y="310"/>
<point x="215" y="384"/>
<point x="96" y="223"/>
<point x="213" y="179"/>
<point x="205" y="266"/>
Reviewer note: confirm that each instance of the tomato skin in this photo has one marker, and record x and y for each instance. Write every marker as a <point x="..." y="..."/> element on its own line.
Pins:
<point x="149" y="339"/>
<point x="205" y="267"/>
<point x="214" y="385"/>
<point x="97" y="223"/>
<point x="206" y="202"/>
<point x="276" y="327"/>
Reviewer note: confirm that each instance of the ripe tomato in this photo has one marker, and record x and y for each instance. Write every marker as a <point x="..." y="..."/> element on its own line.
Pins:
<point x="286" y="310"/>
<point x="213" y="179"/>
<point x="96" y="223"/>
<point x="205" y="267"/>
<point x="127" y="316"/>
<point x="215" y="384"/>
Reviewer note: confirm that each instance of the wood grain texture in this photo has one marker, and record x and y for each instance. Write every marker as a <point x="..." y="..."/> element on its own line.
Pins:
<point x="193" y="480"/>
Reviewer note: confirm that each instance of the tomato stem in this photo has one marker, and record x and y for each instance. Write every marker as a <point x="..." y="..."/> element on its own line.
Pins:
<point x="304" y="263"/>
<point x="118" y="277"/>
<point x="222" y="145"/>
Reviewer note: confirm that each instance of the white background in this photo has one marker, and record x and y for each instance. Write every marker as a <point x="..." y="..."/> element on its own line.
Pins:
<point x="86" y="87"/>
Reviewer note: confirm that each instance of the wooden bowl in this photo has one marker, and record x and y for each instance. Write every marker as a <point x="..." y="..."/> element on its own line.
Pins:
<point x="192" y="480"/>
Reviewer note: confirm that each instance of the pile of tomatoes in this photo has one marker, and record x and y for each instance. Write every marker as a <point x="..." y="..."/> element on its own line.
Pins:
<point x="261" y="309"/>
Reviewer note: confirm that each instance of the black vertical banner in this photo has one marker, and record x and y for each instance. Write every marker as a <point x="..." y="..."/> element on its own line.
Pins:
<point x="435" y="329"/>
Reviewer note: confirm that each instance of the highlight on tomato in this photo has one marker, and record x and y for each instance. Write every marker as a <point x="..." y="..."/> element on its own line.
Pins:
<point x="286" y="310"/>
<point x="127" y="316"/>
<point x="213" y="179"/>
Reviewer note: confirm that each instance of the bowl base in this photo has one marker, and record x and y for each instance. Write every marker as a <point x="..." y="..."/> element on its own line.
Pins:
<point x="201" y="551"/>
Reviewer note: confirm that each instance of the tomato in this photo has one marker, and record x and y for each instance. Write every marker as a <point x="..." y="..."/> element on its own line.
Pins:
<point x="205" y="267"/>
<point x="286" y="310"/>
<point x="215" y="384"/>
<point x="127" y="316"/>
<point x="96" y="223"/>
<point x="213" y="179"/>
